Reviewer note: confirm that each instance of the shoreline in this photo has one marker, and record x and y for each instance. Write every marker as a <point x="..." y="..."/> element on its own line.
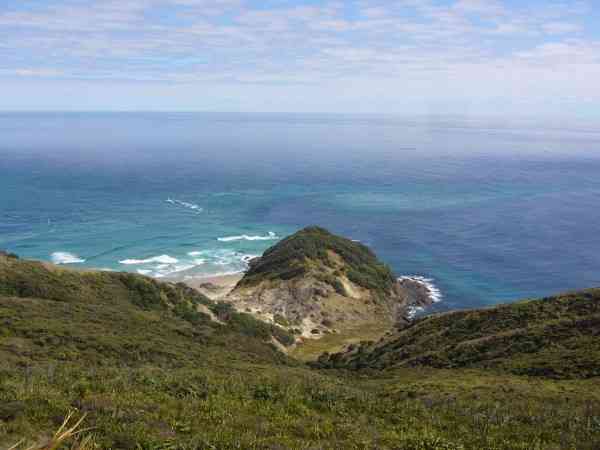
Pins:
<point x="430" y="294"/>
<point x="218" y="286"/>
<point x="214" y="287"/>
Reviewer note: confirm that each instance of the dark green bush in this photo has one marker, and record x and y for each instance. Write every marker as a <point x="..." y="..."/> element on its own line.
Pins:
<point x="288" y="259"/>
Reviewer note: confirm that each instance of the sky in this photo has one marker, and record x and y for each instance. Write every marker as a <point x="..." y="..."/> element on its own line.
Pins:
<point x="488" y="57"/>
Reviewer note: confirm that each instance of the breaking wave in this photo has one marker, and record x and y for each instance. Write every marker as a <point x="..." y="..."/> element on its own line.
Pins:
<point x="66" y="258"/>
<point x="183" y="204"/>
<point x="432" y="291"/>
<point x="244" y="237"/>
<point x="199" y="264"/>
<point x="162" y="259"/>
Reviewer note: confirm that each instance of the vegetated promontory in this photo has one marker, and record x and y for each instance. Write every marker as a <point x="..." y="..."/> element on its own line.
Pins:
<point x="315" y="284"/>
<point x="155" y="365"/>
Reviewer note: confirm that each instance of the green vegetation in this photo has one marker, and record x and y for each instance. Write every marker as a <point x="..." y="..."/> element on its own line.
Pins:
<point x="247" y="325"/>
<point x="296" y="255"/>
<point x="154" y="366"/>
<point x="359" y="332"/>
<point x="253" y="406"/>
<point x="53" y="314"/>
<point x="555" y="337"/>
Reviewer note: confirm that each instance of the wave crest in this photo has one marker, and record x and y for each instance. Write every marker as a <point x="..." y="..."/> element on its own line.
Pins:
<point x="432" y="291"/>
<point x="66" y="258"/>
<point x="162" y="259"/>
<point x="183" y="204"/>
<point x="244" y="237"/>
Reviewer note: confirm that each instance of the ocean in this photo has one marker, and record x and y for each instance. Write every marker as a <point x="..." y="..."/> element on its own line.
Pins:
<point x="490" y="211"/>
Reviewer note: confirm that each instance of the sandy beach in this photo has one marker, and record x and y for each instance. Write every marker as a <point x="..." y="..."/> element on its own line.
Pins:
<point x="214" y="287"/>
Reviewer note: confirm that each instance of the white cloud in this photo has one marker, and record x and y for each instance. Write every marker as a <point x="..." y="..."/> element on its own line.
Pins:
<point x="561" y="27"/>
<point x="33" y="72"/>
<point x="487" y="7"/>
<point x="406" y="45"/>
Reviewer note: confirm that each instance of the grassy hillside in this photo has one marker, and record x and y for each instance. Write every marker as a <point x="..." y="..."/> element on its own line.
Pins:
<point x="555" y="337"/>
<point x="150" y="369"/>
<point x="258" y="406"/>
<point x="297" y="254"/>
<point x="52" y="314"/>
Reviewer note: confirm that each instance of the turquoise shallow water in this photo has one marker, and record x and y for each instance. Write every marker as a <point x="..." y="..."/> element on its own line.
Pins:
<point x="491" y="211"/>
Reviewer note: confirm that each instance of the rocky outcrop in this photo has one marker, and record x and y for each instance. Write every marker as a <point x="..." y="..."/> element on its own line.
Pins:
<point x="314" y="283"/>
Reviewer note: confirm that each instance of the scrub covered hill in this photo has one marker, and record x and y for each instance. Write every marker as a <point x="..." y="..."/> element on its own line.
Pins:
<point x="157" y="366"/>
<point x="311" y="249"/>
<point x="556" y="337"/>
<point x="317" y="284"/>
<point x="50" y="313"/>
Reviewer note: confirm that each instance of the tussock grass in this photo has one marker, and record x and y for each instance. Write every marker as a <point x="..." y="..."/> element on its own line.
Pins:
<point x="68" y="431"/>
<point x="268" y="406"/>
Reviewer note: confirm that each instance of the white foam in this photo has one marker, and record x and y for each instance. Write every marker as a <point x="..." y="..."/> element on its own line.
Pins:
<point x="432" y="290"/>
<point x="162" y="259"/>
<point x="248" y="258"/>
<point x="213" y="262"/>
<point x="159" y="273"/>
<point x="227" y="258"/>
<point x="229" y="272"/>
<point x="413" y="310"/>
<point x="434" y="293"/>
<point x="66" y="258"/>
<point x="187" y="205"/>
<point x="244" y="237"/>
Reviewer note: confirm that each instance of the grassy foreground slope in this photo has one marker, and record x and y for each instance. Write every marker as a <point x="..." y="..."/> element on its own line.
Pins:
<point x="151" y="369"/>
<point x="556" y="337"/>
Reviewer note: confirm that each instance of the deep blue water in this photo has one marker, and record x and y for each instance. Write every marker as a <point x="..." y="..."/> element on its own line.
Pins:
<point x="492" y="211"/>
